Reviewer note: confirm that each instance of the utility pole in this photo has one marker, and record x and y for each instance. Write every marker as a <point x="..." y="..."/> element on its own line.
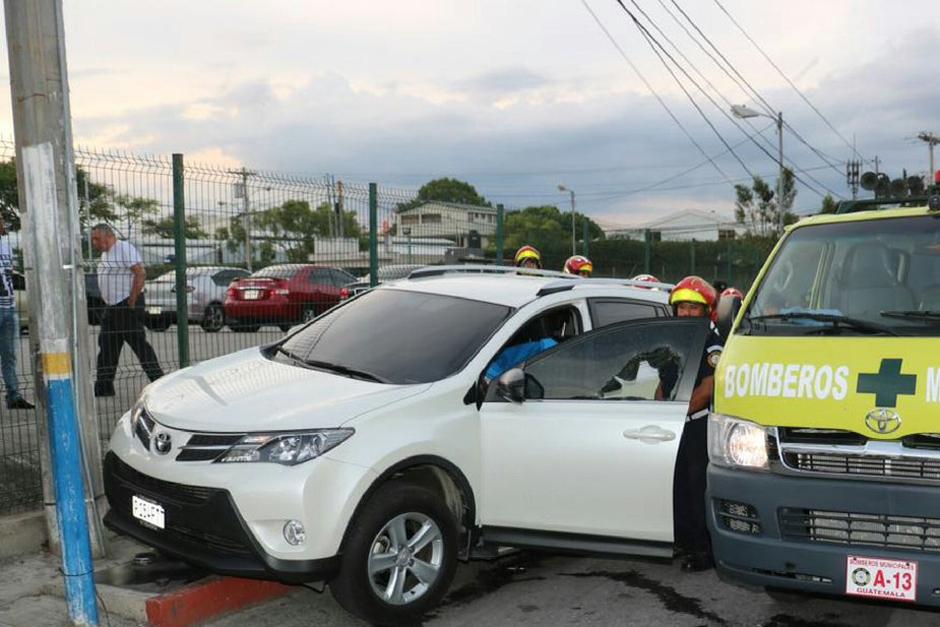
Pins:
<point x="932" y="140"/>
<point x="48" y="201"/>
<point x="243" y="186"/>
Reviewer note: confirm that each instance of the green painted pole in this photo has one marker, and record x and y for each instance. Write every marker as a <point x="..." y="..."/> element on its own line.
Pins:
<point x="179" y="258"/>
<point x="692" y="256"/>
<point x="500" y="236"/>
<point x="373" y="235"/>
<point x="647" y="250"/>
<point x="730" y="277"/>
<point x="585" y="236"/>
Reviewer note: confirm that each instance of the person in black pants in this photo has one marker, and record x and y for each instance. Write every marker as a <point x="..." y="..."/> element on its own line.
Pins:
<point x="121" y="281"/>
<point x="693" y="296"/>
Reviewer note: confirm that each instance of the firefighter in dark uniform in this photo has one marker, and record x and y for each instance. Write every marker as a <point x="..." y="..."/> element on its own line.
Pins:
<point x="695" y="297"/>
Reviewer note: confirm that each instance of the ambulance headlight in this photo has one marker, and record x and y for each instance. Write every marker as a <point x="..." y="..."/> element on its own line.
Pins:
<point x="736" y="443"/>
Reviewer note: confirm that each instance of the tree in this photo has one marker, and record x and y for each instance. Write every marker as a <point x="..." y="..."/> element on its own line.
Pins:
<point x="165" y="227"/>
<point x="829" y="204"/>
<point x="758" y="209"/>
<point x="446" y="190"/>
<point x="546" y="227"/>
<point x="293" y="225"/>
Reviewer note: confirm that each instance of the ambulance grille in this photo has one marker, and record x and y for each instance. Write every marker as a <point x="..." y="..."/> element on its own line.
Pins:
<point x="864" y="465"/>
<point x="877" y="530"/>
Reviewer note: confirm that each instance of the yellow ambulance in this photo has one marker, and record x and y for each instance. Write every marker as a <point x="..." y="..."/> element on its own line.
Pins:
<point x="825" y="439"/>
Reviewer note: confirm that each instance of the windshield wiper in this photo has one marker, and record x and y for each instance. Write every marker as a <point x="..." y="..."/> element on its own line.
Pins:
<point x="346" y="370"/>
<point x="837" y="321"/>
<point x="913" y="314"/>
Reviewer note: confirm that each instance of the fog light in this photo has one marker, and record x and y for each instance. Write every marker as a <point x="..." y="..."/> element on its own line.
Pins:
<point x="294" y="532"/>
<point x="739" y="517"/>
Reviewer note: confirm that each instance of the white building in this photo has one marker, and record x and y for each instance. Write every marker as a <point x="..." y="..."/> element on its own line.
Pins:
<point x="449" y="220"/>
<point x="684" y="225"/>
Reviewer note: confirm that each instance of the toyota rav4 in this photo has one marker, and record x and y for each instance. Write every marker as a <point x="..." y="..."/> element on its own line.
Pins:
<point x="376" y="446"/>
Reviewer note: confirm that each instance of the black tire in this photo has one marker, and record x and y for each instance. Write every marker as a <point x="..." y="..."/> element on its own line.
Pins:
<point x="158" y="323"/>
<point x="213" y="319"/>
<point x="353" y="586"/>
<point x="285" y="327"/>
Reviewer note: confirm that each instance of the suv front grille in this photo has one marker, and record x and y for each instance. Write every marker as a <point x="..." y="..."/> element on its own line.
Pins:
<point x="864" y="465"/>
<point x="178" y="492"/>
<point x="875" y="530"/>
<point x="203" y="447"/>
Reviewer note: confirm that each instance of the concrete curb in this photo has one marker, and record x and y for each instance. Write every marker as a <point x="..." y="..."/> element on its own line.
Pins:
<point x="21" y="534"/>
<point x="210" y="598"/>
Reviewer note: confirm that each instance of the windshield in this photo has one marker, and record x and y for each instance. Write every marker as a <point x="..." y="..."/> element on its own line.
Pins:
<point x="397" y="336"/>
<point x="875" y="276"/>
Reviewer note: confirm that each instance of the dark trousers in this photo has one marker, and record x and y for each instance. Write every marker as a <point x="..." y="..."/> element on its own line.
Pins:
<point x="691" y="464"/>
<point x="121" y="323"/>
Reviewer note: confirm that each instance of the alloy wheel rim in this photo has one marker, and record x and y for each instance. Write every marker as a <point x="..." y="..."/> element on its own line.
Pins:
<point x="406" y="558"/>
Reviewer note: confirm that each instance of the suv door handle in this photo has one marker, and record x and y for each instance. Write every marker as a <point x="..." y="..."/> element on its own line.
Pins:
<point x="650" y="434"/>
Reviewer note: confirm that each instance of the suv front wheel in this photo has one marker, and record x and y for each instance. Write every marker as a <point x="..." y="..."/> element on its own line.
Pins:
<point x="400" y="556"/>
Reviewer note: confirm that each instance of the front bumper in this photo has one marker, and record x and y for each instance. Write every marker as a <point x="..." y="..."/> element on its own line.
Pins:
<point x="203" y="528"/>
<point x="777" y="559"/>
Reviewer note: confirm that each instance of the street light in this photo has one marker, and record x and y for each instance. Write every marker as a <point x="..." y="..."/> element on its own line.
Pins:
<point x="562" y="188"/>
<point x="743" y="112"/>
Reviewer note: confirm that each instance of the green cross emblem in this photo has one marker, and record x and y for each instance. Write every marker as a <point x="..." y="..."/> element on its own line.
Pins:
<point x="887" y="383"/>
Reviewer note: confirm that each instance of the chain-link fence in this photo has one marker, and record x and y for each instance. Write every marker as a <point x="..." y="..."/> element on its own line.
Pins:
<point x="234" y="257"/>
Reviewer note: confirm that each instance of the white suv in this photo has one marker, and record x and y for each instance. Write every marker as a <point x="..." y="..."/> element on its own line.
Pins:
<point x="370" y="449"/>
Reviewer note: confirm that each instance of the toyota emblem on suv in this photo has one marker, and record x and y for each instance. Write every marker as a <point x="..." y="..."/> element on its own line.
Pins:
<point x="162" y="442"/>
<point x="882" y="420"/>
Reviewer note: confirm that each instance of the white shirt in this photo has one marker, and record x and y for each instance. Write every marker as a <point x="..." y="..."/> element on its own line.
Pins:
<point x="114" y="272"/>
<point x="6" y="275"/>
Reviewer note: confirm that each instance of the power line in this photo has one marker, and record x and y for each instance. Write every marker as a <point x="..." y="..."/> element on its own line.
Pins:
<point x="753" y="91"/>
<point x="787" y="79"/>
<point x="662" y="102"/>
<point x="651" y="40"/>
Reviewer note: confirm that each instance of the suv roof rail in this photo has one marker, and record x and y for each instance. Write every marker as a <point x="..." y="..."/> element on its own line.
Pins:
<point x="561" y="286"/>
<point x="486" y="269"/>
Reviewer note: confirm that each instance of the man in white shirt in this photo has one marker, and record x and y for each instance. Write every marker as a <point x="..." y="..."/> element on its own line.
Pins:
<point x="9" y="326"/>
<point x="121" y="281"/>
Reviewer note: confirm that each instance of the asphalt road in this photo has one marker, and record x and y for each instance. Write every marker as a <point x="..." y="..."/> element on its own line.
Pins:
<point x="536" y="589"/>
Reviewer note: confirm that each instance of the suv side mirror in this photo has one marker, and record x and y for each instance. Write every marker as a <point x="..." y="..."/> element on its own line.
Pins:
<point x="510" y="385"/>
<point x="728" y="308"/>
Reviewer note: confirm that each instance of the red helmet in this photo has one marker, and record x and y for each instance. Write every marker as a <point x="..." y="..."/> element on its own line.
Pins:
<point x="528" y="253"/>
<point x="646" y="278"/>
<point x="732" y="292"/>
<point x="578" y="264"/>
<point x="695" y="289"/>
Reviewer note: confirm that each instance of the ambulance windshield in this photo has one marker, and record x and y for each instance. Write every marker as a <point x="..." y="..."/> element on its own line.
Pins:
<point x="868" y="277"/>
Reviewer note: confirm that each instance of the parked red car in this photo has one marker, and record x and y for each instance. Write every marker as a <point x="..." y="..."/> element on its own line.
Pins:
<point x="283" y="295"/>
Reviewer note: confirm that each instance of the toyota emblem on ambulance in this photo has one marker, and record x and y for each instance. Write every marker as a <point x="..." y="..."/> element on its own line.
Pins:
<point x="882" y="420"/>
<point x="162" y="442"/>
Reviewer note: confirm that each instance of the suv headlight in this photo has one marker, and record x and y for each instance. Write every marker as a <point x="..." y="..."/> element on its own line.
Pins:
<point x="736" y="443"/>
<point x="286" y="449"/>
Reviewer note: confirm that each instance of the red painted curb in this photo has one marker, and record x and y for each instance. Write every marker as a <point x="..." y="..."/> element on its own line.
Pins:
<point x="210" y="598"/>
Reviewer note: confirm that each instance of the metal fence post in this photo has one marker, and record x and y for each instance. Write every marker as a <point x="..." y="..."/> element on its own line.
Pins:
<point x="373" y="235"/>
<point x="730" y="269"/>
<point x="692" y="256"/>
<point x="647" y="250"/>
<point x="585" y="235"/>
<point x="500" y="236"/>
<point x="179" y="258"/>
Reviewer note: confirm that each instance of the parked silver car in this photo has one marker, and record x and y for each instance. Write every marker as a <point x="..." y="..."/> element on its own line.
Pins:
<point x="205" y="287"/>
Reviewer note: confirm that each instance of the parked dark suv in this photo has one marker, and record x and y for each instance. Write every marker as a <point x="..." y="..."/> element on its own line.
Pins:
<point x="283" y="295"/>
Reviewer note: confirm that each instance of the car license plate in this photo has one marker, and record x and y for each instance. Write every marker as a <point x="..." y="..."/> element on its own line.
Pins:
<point x="876" y="578"/>
<point x="155" y="311"/>
<point x="147" y="511"/>
<point x="251" y="294"/>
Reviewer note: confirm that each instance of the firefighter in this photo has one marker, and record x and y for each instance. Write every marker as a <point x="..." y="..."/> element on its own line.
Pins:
<point x="528" y="257"/>
<point x="580" y="265"/>
<point x="694" y="297"/>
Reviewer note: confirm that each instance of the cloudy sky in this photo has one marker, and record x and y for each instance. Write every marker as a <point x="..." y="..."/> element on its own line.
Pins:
<point x="515" y="97"/>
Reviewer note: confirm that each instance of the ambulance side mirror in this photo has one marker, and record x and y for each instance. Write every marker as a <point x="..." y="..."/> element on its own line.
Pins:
<point x="728" y="308"/>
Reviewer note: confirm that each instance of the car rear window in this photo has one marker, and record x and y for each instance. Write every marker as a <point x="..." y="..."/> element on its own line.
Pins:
<point x="401" y="337"/>
<point x="277" y="272"/>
